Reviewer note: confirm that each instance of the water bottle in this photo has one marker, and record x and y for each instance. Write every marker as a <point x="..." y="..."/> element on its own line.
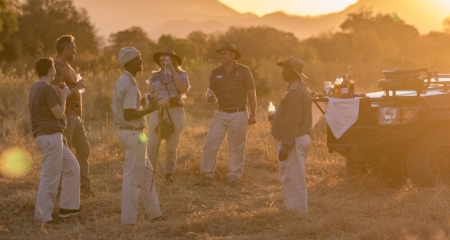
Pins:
<point x="79" y="78"/>
<point x="271" y="111"/>
<point x="210" y="93"/>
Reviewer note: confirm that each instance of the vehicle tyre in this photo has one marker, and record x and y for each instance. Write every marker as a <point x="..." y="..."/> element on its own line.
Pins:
<point x="392" y="170"/>
<point x="429" y="158"/>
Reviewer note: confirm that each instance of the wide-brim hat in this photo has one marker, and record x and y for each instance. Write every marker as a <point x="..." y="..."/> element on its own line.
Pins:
<point x="230" y="47"/>
<point x="166" y="51"/>
<point x="296" y="64"/>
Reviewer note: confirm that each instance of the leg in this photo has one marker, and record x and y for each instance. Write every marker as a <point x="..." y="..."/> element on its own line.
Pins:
<point x="153" y="141"/>
<point x="81" y="146"/>
<point x="70" y="187"/>
<point x="133" y="174"/>
<point x="179" y="119"/>
<point x="149" y="195"/>
<point x="214" y="138"/>
<point x="292" y="175"/>
<point x="237" y="137"/>
<point x="52" y="163"/>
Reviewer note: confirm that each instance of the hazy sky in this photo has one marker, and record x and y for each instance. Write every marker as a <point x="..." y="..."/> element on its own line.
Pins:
<point x="298" y="7"/>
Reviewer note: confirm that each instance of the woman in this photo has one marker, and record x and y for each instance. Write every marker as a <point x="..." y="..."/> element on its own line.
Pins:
<point x="167" y="85"/>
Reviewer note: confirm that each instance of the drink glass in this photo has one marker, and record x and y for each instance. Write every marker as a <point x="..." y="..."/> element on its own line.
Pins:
<point x="327" y="86"/>
<point x="79" y="78"/>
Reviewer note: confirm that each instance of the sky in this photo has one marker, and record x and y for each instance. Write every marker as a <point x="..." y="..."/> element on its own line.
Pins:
<point x="297" y="7"/>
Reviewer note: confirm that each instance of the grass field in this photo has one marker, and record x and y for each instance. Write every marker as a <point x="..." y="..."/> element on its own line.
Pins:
<point x="340" y="206"/>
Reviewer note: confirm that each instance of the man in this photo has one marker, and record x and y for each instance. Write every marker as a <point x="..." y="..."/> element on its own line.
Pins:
<point x="130" y="118"/>
<point x="291" y="125"/>
<point x="48" y="121"/>
<point x="232" y="84"/>
<point x="75" y="132"/>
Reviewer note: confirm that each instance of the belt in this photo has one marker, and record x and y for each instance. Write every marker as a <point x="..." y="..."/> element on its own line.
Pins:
<point x="233" y="110"/>
<point x="141" y="128"/>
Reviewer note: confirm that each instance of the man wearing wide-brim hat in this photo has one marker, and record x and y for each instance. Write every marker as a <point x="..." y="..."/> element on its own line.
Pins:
<point x="233" y="86"/>
<point x="291" y="126"/>
<point x="129" y="117"/>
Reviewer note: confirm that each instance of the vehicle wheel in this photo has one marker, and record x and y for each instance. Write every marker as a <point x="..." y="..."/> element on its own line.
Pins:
<point x="429" y="158"/>
<point x="392" y="170"/>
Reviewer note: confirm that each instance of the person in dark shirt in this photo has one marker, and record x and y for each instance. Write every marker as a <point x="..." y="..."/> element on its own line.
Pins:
<point x="291" y="125"/>
<point x="46" y="107"/>
<point x="232" y="84"/>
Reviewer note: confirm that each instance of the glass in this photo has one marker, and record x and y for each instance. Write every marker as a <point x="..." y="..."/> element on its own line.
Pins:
<point x="79" y="78"/>
<point x="327" y="86"/>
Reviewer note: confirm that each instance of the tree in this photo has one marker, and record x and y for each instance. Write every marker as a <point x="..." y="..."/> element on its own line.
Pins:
<point x="134" y="36"/>
<point x="9" y="13"/>
<point x="43" y="21"/>
<point x="446" y="24"/>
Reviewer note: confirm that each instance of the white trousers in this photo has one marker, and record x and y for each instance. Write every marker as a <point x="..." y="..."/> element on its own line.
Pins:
<point x="235" y="124"/>
<point x="57" y="160"/>
<point x="292" y="175"/>
<point x="137" y="177"/>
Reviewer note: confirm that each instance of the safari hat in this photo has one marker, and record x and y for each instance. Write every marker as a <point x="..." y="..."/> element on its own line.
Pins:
<point x="296" y="64"/>
<point x="166" y="51"/>
<point x="230" y="47"/>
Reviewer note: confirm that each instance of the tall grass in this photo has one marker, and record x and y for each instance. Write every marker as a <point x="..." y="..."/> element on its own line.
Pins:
<point x="341" y="207"/>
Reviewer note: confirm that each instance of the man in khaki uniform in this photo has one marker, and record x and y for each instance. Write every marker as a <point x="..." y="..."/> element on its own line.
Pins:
<point x="232" y="84"/>
<point x="291" y="125"/>
<point x="130" y="118"/>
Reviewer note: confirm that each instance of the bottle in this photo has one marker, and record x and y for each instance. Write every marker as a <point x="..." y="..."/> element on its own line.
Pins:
<point x="271" y="111"/>
<point x="79" y="78"/>
<point x="210" y="93"/>
<point x="337" y="85"/>
<point x="344" y="85"/>
<point x="351" y="88"/>
<point x="147" y="99"/>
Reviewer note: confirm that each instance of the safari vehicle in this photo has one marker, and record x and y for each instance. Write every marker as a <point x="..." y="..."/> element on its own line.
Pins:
<point x="402" y="131"/>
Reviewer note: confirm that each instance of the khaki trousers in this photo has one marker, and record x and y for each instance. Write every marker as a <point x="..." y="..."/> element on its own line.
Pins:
<point x="58" y="163"/>
<point x="76" y="138"/>
<point x="235" y="124"/>
<point x="137" y="178"/>
<point x="179" y="120"/>
<point x="292" y="175"/>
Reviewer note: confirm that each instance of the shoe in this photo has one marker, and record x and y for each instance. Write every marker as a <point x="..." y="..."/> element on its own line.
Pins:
<point x="233" y="182"/>
<point x="65" y="213"/>
<point x="169" y="178"/>
<point x="160" y="218"/>
<point x="204" y="181"/>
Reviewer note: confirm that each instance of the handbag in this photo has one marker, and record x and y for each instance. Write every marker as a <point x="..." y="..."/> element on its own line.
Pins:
<point x="165" y="128"/>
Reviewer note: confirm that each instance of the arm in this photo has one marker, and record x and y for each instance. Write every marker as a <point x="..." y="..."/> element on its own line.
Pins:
<point x="212" y="86"/>
<point x="131" y="114"/>
<point x="291" y="123"/>
<point x="181" y="86"/>
<point x="58" y="110"/>
<point x="252" y="102"/>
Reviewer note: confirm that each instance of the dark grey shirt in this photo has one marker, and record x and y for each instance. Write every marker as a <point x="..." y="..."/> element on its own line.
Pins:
<point x="293" y="117"/>
<point x="231" y="89"/>
<point x="43" y="97"/>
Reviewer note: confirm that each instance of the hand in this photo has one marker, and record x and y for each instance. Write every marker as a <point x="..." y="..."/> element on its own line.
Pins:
<point x="64" y="92"/>
<point x="163" y="103"/>
<point x="171" y="67"/>
<point x="80" y="85"/>
<point x="251" y="120"/>
<point x="143" y="101"/>
<point x="210" y="99"/>
<point x="283" y="153"/>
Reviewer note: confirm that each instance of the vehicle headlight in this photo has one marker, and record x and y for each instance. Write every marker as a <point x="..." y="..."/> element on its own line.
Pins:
<point x="394" y="115"/>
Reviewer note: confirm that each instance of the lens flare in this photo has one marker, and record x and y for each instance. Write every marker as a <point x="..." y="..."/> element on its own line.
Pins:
<point x="142" y="137"/>
<point x="15" y="162"/>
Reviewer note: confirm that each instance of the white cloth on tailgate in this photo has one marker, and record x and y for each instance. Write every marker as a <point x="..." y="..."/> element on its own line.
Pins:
<point x="341" y="114"/>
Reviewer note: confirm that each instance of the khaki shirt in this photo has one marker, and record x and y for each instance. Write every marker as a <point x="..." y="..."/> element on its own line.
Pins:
<point x="126" y="96"/>
<point x="231" y="89"/>
<point x="293" y="117"/>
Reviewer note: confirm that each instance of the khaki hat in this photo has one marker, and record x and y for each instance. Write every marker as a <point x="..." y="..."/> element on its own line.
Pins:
<point x="166" y="51"/>
<point x="127" y="54"/>
<point x="230" y="47"/>
<point x="296" y="64"/>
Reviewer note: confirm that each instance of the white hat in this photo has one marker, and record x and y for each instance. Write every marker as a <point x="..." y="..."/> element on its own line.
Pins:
<point x="127" y="54"/>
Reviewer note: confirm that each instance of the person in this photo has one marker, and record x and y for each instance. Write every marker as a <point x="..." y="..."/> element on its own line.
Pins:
<point x="291" y="125"/>
<point x="75" y="132"/>
<point x="129" y="117"/>
<point x="167" y="86"/>
<point x="48" y="121"/>
<point x="232" y="84"/>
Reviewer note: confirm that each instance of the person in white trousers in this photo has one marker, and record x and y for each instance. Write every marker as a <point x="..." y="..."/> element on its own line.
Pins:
<point x="130" y="119"/>
<point x="291" y="125"/>
<point x="46" y="106"/>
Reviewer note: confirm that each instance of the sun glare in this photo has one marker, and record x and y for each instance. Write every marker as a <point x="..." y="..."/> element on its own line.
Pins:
<point x="15" y="162"/>
<point x="444" y="4"/>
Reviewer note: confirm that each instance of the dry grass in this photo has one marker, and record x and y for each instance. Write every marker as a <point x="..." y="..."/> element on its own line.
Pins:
<point x="341" y="207"/>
